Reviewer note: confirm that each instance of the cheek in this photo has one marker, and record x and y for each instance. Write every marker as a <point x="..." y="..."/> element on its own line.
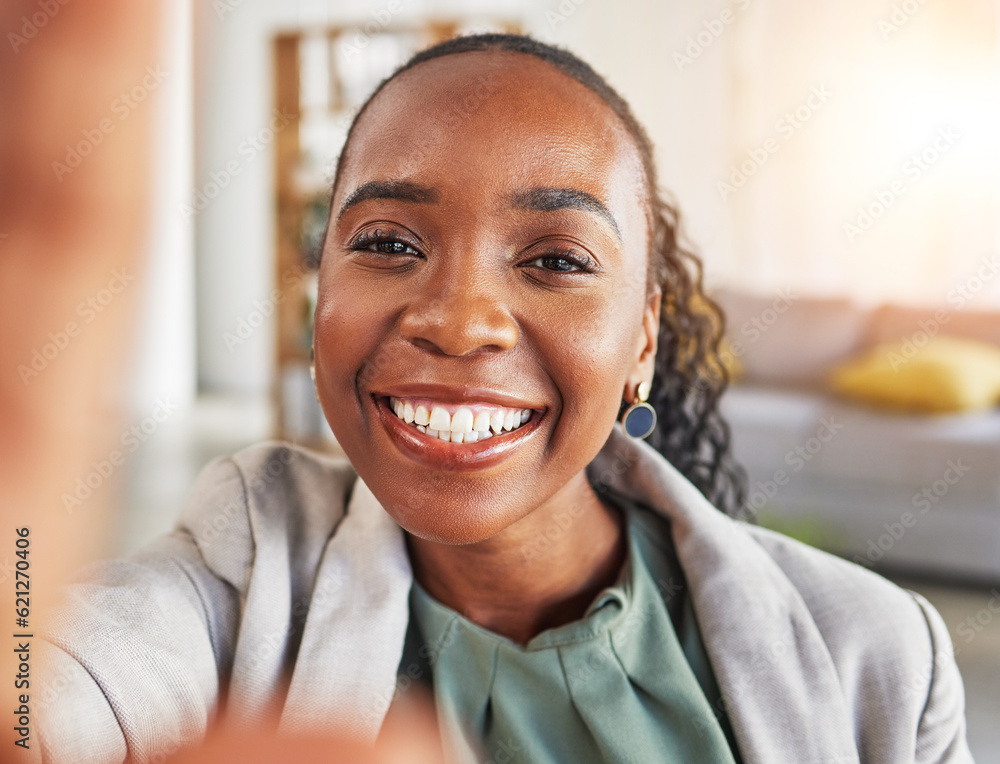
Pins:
<point x="347" y="326"/>
<point x="590" y="359"/>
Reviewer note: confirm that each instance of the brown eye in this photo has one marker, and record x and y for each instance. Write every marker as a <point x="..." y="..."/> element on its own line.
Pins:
<point x="382" y="242"/>
<point x="561" y="264"/>
<point x="564" y="261"/>
<point x="392" y="248"/>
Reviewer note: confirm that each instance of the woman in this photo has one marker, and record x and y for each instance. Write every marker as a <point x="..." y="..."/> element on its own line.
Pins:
<point x="500" y="278"/>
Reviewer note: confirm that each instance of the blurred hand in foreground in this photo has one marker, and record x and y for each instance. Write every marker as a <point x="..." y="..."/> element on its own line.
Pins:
<point x="409" y="736"/>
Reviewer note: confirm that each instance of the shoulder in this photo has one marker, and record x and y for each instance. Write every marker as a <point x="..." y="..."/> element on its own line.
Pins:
<point x="275" y="465"/>
<point x="269" y="477"/>
<point x="835" y="589"/>
<point x="866" y="620"/>
<point x="892" y="651"/>
<point x="269" y="500"/>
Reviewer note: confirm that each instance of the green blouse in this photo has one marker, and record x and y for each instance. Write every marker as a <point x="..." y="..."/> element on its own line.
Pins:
<point x="629" y="682"/>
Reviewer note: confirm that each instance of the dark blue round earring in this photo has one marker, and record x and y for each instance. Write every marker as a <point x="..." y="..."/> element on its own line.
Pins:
<point x="639" y="419"/>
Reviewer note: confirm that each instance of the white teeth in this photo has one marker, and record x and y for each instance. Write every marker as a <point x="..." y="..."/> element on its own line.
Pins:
<point x="496" y="421"/>
<point x="463" y="426"/>
<point x="421" y="415"/>
<point x="461" y="422"/>
<point x="439" y="434"/>
<point x="440" y="419"/>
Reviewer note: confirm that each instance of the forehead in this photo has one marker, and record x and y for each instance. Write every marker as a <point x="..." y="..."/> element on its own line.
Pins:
<point x="496" y="121"/>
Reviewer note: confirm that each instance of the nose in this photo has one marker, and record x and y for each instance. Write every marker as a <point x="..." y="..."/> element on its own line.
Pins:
<point x="458" y="314"/>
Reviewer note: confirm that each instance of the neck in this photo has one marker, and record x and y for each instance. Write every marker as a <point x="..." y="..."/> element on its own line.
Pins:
<point x="543" y="571"/>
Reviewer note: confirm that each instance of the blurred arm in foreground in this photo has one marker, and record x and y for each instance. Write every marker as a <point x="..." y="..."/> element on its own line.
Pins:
<point x="65" y="231"/>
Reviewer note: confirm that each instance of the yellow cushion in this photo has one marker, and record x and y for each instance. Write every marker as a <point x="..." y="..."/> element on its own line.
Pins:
<point x="943" y="375"/>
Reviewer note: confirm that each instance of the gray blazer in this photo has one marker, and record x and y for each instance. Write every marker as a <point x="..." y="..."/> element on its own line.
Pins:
<point x="283" y="589"/>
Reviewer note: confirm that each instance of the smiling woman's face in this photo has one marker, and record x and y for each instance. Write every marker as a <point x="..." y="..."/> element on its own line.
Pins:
<point x="487" y="251"/>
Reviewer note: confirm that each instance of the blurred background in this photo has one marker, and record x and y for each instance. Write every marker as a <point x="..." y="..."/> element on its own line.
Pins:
<point x="838" y="167"/>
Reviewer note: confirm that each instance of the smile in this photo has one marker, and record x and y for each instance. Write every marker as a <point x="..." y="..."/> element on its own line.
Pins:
<point x="458" y="424"/>
<point x="469" y="436"/>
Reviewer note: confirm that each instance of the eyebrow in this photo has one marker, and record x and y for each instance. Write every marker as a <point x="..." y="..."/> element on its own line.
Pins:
<point x="544" y="199"/>
<point x="400" y="190"/>
<point x="540" y="199"/>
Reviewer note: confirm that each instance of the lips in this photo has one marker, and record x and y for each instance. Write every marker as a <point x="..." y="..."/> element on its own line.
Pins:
<point x="434" y="453"/>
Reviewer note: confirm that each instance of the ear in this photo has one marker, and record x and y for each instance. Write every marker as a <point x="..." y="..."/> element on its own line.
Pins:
<point x="645" y="356"/>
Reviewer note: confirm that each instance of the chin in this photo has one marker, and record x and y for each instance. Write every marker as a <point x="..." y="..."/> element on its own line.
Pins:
<point x="469" y="526"/>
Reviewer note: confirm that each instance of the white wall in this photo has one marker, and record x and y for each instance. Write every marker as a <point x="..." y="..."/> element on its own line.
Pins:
<point x="164" y="363"/>
<point x="234" y="232"/>
<point x="685" y="107"/>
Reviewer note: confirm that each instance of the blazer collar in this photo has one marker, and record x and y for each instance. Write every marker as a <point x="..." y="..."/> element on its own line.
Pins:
<point x="777" y="678"/>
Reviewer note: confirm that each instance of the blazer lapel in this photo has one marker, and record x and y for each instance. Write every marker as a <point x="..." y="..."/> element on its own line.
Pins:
<point x="776" y="675"/>
<point x="345" y="671"/>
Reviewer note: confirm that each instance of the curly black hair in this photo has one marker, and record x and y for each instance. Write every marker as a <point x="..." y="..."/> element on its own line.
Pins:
<point x="689" y="376"/>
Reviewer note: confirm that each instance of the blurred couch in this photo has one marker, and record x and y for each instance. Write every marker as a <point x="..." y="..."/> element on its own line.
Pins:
<point x="908" y="492"/>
